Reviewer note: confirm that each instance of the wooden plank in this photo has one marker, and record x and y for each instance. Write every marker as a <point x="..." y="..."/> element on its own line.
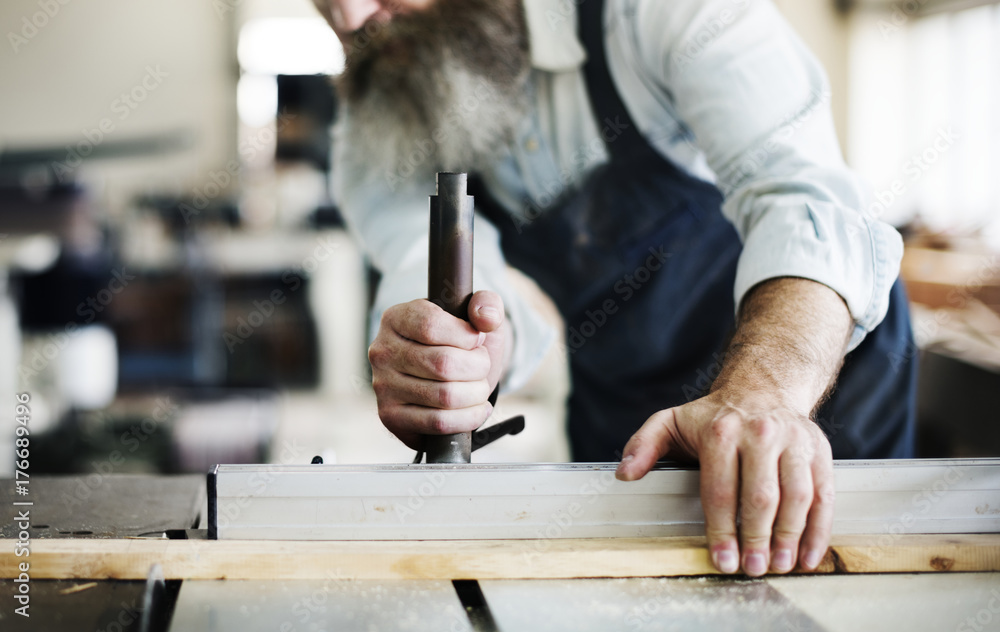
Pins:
<point x="487" y="559"/>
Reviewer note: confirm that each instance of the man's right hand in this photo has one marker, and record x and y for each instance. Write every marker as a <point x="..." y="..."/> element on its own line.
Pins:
<point x="433" y="373"/>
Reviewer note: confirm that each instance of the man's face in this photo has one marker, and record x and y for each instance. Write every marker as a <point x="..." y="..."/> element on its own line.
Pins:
<point x="452" y="71"/>
<point x="348" y="16"/>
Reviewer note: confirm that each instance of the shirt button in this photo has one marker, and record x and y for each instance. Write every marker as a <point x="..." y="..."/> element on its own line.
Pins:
<point x="531" y="145"/>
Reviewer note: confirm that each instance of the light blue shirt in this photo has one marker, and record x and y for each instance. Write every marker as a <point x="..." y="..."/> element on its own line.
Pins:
<point x="723" y="88"/>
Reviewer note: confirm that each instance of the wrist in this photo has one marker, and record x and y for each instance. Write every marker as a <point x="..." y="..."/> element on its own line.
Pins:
<point x="755" y="399"/>
<point x="754" y="378"/>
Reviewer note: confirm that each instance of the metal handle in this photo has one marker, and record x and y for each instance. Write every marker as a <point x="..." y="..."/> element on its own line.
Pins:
<point x="449" y="284"/>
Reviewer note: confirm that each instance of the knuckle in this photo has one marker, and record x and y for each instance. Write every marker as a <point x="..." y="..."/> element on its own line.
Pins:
<point x="380" y="387"/>
<point x="719" y="534"/>
<point x="800" y="454"/>
<point x="385" y="322"/>
<point x="798" y="495"/>
<point x="437" y="422"/>
<point x="756" y="540"/>
<point x="425" y="329"/>
<point x="826" y="493"/>
<point x="763" y="498"/>
<point x="391" y="316"/>
<point x="719" y="497"/>
<point x="487" y="412"/>
<point x="786" y="534"/>
<point x="376" y="354"/>
<point x="415" y="308"/>
<point x="762" y="428"/>
<point x="407" y="359"/>
<point x="799" y="434"/>
<point x="482" y="364"/>
<point x="446" y="396"/>
<point x="387" y="413"/>
<point x="822" y="446"/>
<point x="483" y="390"/>
<point x="442" y="364"/>
<point x="725" y="428"/>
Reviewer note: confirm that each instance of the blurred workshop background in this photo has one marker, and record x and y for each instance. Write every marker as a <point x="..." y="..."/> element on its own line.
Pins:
<point x="177" y="288"/>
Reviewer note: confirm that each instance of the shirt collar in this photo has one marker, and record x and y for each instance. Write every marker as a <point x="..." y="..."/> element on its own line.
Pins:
<point x="555" y="46"/>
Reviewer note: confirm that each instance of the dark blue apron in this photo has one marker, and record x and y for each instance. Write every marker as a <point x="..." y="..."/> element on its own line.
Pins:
<point x="641" y="264"/>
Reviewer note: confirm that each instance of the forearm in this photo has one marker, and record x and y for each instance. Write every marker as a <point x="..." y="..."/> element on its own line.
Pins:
<point x="789" y="344"/>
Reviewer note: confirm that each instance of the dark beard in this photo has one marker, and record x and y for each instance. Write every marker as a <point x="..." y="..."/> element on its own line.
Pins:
<point x="440" y="88"/>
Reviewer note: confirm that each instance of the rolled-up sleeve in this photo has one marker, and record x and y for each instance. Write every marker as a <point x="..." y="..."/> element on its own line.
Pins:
<point x="389" y="218"/>
<point x="757" y="103"/>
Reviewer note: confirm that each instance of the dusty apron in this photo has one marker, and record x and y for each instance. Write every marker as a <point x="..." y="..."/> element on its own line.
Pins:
<point x="641" y="264"/>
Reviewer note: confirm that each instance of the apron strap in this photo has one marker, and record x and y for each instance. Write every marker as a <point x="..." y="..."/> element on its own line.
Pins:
<point x="604" y="97"/>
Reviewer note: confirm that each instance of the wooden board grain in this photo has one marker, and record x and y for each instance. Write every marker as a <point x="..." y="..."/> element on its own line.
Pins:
<point x="487" y="559"/>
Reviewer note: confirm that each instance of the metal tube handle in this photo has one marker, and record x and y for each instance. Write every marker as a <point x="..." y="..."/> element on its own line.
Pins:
<point x="449" y="284"/>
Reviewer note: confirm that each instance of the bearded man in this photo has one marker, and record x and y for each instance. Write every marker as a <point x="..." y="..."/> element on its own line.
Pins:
<point x="668" y="173"/>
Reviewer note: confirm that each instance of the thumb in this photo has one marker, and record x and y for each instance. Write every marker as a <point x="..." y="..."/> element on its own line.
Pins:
<point x="486" y="311"/>
<point x="647" y="445"/>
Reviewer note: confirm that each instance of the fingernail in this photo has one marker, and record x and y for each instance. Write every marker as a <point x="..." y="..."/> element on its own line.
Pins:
<point x="725" y="560"/>
<point x="755" y="564"/>
<point x="813" y="558"/>
<point x="489" y="312"/>
<point x="623" y="466"/>
<point x="783" y="560"/>
<point x="482" y="339"/>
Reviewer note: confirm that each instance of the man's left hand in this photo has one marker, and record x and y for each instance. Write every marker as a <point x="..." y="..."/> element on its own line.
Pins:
<point x="766" y="468"/>
<point x="766" y="478"/>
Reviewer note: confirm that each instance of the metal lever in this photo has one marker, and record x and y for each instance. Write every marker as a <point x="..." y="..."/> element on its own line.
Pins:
<point x="486" y="436"/>
<point x="449" y="284"/>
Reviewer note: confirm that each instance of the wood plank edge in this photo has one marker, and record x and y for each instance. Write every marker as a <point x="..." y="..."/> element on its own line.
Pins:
<point x="511" y="559"/>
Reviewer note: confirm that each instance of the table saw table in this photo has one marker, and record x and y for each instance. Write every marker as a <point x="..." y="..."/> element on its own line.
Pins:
<point x="123" y="508"/>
